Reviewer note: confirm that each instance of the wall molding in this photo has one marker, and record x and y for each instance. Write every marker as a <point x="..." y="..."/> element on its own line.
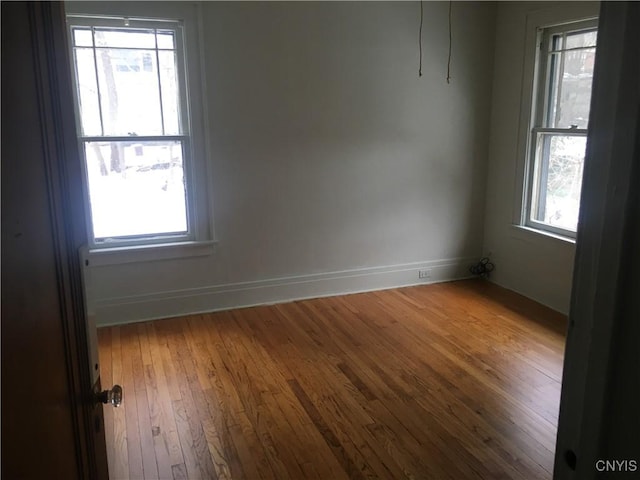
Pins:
<point x="138" y="308"/>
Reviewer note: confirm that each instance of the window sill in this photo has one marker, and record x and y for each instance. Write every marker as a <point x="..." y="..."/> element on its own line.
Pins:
<point x="99" y="257"/>
<point x="527" y="233"/>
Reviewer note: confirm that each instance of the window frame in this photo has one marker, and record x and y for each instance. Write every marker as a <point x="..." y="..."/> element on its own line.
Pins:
<point x="200" y="236"/>
<point x="539" y="112"/>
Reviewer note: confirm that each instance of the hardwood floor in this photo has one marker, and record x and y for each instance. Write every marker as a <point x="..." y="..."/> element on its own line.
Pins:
<point x="456" y="380"/>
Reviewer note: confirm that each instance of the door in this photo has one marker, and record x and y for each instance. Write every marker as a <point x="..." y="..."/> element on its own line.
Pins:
<point x="52" y="427"/>
<point x="599" y="420"/>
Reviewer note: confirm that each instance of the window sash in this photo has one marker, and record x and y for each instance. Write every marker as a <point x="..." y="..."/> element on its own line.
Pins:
<point x="543" y="94"/>
<point x="538" y="174"/>
<point x="135" y="23"/>
<point x="129" y="192"/>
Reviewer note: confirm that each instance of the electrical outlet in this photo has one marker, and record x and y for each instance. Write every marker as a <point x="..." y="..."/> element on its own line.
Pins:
<point x="424" y="274"/>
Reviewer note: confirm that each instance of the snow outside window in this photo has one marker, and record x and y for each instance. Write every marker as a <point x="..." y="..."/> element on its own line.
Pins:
<point x="131" y="105"/>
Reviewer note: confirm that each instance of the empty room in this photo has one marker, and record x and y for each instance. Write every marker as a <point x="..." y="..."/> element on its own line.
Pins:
<point x="326" y="240"/>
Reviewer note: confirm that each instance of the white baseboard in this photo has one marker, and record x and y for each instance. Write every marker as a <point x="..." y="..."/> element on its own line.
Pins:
<point x="554" y="304"/>
<point x="137" y="308"/>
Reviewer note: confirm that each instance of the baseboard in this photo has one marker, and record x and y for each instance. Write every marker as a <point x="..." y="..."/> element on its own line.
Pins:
<point x="556" y="306"/>
<point x="130" y="309"/>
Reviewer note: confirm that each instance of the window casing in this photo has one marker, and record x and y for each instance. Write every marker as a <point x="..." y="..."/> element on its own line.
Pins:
<point x="559" y="123"/>
<point x="134" y="130"/>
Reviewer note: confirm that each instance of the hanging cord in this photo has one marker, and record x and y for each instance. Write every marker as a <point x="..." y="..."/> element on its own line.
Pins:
<point x="420" y="40"/>
<point x="449" y="61"/>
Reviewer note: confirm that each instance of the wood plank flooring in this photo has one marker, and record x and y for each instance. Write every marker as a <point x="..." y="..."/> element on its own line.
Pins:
<point x="457" y="380"/>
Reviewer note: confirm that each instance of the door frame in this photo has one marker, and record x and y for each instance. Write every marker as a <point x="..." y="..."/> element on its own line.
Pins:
<point x="62" y="163"/>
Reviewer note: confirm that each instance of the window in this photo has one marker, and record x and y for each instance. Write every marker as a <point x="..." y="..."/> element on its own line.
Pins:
<point x="558" y="133"/>
<point x="134" y="129"/>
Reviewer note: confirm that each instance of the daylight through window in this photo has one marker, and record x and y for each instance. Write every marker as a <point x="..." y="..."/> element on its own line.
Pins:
<point x="560" y="122"/>
<point x="131" y="108"/>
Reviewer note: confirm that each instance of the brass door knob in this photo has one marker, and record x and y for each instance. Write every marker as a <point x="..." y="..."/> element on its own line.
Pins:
<point x="113" y="396"/>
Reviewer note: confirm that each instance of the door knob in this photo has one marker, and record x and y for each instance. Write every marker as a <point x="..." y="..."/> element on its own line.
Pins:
<point x="113" y="396"/>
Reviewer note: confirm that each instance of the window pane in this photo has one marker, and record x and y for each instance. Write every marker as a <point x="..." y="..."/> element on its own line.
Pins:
<point x="574" y="91"/>
<point x="553" y="83"/>
<point x="170" y="99"/>
<point x="88" y="91"/>
<point x="129" y="92"/>
<point x="82" y="37"/>
<point x="582" y="39"/>
<point x="125" y="38"/>
<point x="165" y="40"/>
<point x="558" y="180"/>
<point x="557" y="42"/>
<point x="570" y="75"/>
<point x="136" y="188"/>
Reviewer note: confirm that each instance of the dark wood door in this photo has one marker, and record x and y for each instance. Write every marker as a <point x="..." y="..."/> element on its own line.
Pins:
<point x="51" y="428"/>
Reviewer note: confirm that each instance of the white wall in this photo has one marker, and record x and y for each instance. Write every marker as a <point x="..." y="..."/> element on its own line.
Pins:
<point x="335" y="167"/>
<point x="536" y="265"/>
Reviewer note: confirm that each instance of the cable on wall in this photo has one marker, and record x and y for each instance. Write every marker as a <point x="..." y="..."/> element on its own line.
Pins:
<point x="449" y="61"/>
<point x="420" y="39"/>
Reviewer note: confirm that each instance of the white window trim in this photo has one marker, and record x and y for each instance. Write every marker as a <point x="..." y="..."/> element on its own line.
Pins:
<point x="146" y="253"/>
<point x="527" y="233"/>
<point x="201" y="237"/>
<point x="536" y="21"/>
